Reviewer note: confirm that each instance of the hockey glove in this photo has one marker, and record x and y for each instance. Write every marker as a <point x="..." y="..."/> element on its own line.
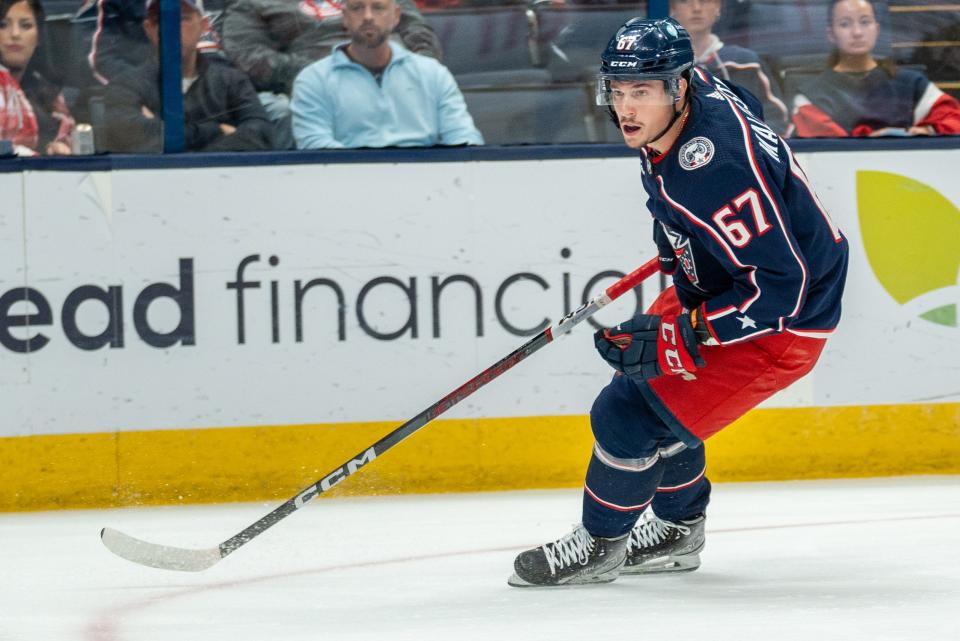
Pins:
<point x="648" y="346"/>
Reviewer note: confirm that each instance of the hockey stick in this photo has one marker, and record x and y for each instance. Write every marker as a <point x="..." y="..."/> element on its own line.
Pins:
<point x="192" y="560"/>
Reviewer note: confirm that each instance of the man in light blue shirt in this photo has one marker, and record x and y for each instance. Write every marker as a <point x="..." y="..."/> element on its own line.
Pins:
<point x="372" y="92"/>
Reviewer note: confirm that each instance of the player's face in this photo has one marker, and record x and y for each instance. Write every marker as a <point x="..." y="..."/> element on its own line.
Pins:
<point x="643" y="109"/>
<point x="18" y="36"/>
<point x="696" y="16"/>
<point x="370" y="22"/>
<point x="853" y="27"/>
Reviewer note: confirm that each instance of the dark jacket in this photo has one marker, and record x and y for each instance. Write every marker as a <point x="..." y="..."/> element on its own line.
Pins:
<point x="220" y="94"/>
<point x="272" y="40"/>
<point x="119" y="43"/>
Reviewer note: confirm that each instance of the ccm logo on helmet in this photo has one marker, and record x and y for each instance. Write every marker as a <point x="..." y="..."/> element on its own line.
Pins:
<point x="623" y="63"/>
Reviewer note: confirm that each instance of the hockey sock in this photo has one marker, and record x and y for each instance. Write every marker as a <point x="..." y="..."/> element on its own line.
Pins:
<point x="617" y="490"/>
<point x="626" y="465"/>
<point x="684" y="490"/>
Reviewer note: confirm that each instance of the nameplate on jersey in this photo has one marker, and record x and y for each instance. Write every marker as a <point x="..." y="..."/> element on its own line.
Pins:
<point x="764" y="135"/>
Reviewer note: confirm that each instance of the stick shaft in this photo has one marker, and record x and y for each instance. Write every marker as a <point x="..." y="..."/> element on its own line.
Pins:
<point x="403" y="432"/>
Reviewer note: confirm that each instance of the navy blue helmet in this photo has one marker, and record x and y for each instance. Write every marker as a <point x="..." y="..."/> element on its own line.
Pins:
<point x="645" y="49"/>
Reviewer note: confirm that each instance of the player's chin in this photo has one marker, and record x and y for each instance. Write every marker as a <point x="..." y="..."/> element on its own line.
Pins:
<point x="633" y="135"/>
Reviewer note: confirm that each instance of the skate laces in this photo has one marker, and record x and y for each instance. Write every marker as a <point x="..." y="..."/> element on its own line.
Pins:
<point x="651" y="532"/>
<point x="574" y="547"/>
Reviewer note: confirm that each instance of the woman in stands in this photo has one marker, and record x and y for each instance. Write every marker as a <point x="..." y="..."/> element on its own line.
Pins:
<point x="859" y="95"/>
<point x="33" y="113"/>
<point x="729" y="62"/>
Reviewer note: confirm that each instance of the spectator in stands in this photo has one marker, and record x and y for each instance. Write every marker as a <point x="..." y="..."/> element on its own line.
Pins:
<point x="373" y="92"/>
<point x="221" y="109"/>
<point x="33" y="113"/>
<point x="859" y="95"/>
<point x="730" y="62"/>
<point x="273" y="40"/>
<point x="120" y="44"/>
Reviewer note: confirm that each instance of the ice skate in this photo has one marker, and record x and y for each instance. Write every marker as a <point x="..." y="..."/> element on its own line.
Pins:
<point x="575" y="559"/>
<point x="657" y="546"/>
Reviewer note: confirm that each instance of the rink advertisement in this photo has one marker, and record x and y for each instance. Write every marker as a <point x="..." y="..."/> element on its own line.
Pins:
<point x="188" y="334"/>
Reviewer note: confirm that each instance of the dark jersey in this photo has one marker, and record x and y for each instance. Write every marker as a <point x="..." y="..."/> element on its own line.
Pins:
<point x="733" y="207"/>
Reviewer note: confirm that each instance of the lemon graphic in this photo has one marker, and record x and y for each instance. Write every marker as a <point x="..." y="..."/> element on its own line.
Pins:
<point x="911" y="234"/>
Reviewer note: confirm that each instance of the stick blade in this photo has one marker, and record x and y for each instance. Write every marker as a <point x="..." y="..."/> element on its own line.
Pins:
<point x="158" y="556"/>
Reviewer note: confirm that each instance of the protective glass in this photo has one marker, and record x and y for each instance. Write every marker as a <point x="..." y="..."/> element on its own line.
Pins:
<point x="614" y="90"/>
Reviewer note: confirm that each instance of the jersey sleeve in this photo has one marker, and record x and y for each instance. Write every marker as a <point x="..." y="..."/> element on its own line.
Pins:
<point x="810" y="121"/>
<point x="742" y="222"/>
<point x="937" y="109"/>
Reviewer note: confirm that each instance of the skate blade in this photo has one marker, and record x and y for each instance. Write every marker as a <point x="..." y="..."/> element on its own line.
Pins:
<point x="665" y="565"/>
<point x="517" y="582"/>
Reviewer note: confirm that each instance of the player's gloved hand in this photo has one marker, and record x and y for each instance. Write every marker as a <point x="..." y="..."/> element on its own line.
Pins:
<point x="647" y="346"/>
<point x="631" y="347"/>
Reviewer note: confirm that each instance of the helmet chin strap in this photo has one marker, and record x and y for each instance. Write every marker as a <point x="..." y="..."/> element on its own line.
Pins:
<point x="673" y="120"/>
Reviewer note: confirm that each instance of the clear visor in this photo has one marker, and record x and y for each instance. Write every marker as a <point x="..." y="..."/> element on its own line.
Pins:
<point x="619" y="89"/>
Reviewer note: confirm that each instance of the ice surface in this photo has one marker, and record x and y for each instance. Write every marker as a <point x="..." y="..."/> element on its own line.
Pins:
<point x="825" y="560"/>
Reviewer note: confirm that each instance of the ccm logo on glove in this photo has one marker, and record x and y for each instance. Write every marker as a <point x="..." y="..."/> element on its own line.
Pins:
<point x="677" y="358"/>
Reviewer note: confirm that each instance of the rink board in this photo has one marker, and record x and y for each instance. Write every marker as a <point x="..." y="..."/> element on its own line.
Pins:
<point x="276" y="462"/>
<point x="194" y="336"/>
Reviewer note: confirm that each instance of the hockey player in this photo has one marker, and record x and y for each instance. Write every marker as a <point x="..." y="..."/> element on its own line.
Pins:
<point x="758" y="271"/>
